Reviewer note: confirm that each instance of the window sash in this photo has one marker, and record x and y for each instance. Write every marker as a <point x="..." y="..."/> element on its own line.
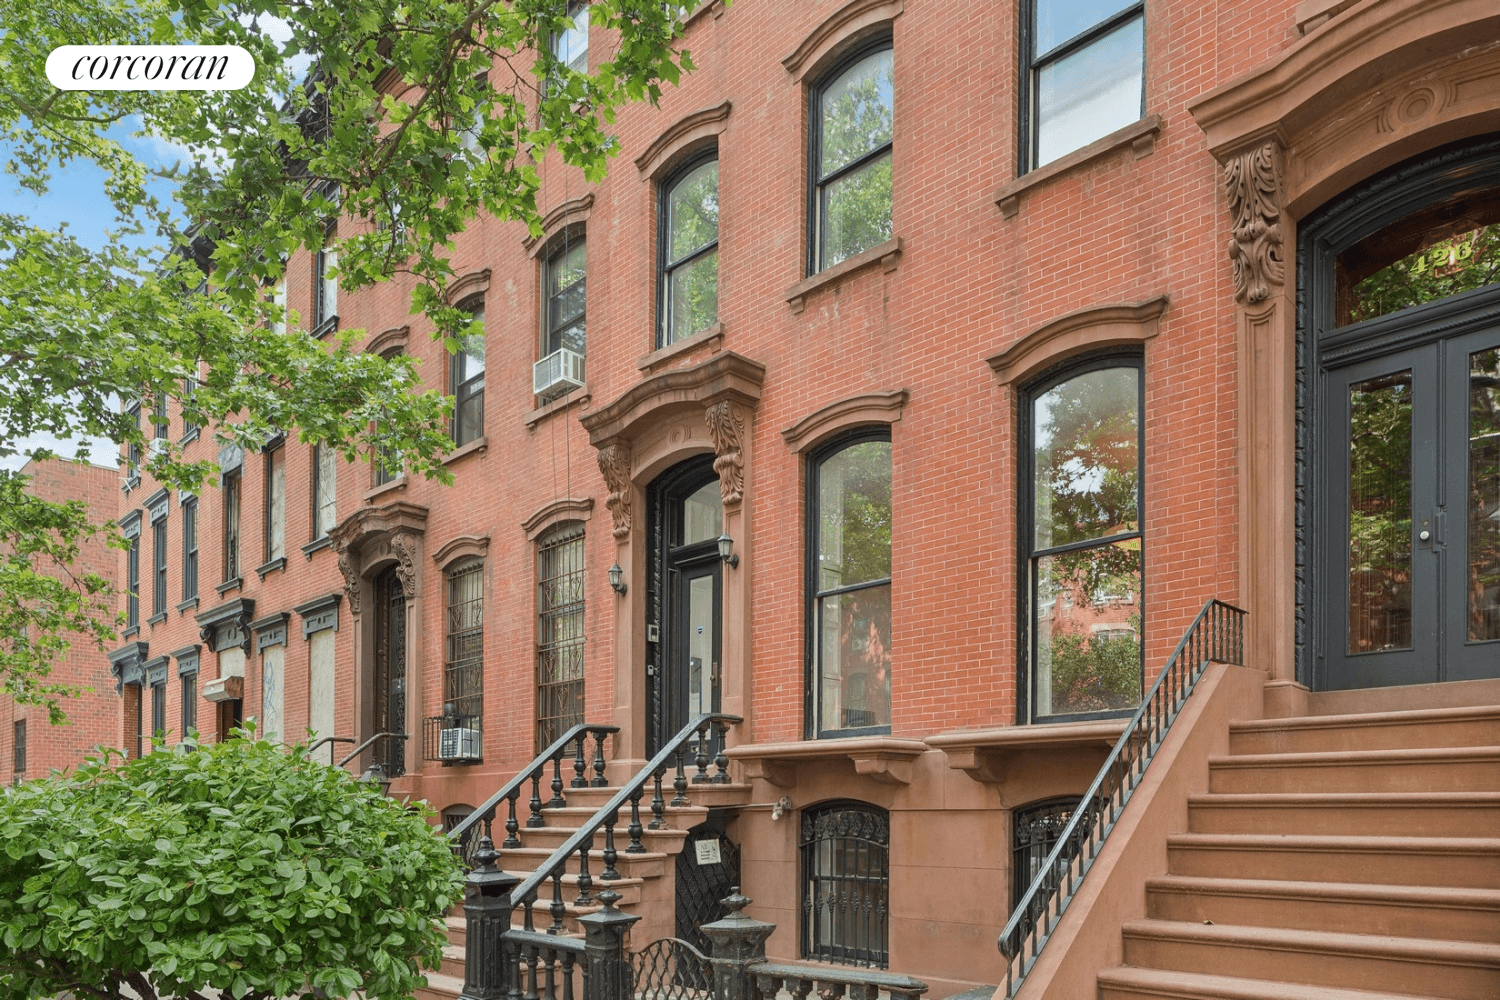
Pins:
<point x="275" y="504"/>
<point x="190" y="550"/>
<point x="824" y="180"/>
<point x="560" y="633"/>
<point x="159" y="567"/>
<point x="325" y="490"/>
<point x="567" y="305"/>
<point x="231" y="492"/>
<point x="189" y="704"/>
<point x="1031" y="74"/>
<point x="463" y="662"/>
<point x="133" y="583"/>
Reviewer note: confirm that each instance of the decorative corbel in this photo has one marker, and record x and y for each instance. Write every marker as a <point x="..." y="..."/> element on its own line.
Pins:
<point x="614" y="463"/>
<point x="351" y="578"/>
<point x="1253" y="182"/>
<point x="726" y="425"/>
<point x="405" y="548"/>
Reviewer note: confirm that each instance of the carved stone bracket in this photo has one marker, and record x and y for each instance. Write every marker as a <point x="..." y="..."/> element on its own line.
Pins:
<point x="614" y="463"/>
<point x="351" y="580"/>
<point x="726" y="425"/>
<point x="1253" y="182"/>
<point x="405" y="548"/>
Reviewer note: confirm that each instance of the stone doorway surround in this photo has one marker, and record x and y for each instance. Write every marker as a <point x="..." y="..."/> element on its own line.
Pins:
<point x="702" y="408"/>
<point x="1368" y="85"/>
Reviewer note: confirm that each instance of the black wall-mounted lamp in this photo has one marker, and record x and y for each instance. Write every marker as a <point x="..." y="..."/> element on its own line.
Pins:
<point x="726" y="550"/>
<point x="617" y="579"/>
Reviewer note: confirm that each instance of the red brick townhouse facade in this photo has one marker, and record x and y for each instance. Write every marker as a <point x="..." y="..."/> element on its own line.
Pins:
<point x="30" y="747"/>
<point x="917" y="373"/>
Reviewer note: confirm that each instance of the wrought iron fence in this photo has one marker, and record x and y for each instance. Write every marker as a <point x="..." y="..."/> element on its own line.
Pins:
<point x="1216" y="634"/>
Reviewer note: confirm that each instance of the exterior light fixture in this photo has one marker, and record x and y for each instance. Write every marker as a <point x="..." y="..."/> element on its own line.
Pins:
<point x="726" y="550"/>
<point x="617" y="579"/>
<point x="376" y="776"/>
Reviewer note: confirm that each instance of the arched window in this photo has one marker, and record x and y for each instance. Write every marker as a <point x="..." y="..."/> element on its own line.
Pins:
<point x="849" y="580"/>
<point x="689" y="250"/>
<point x="559" y="632"/>
<point x="850" y="115"/>
<point x="1083" y="538"/>
<point x="846" y="878"/>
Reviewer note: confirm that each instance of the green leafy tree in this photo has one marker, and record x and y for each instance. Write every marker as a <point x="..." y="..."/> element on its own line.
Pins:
<point x="239" y="867"/>
<point x="318" y="135"/>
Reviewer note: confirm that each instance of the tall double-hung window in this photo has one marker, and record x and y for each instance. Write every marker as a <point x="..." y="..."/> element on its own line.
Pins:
<point x="851" y="114"/>
<point x="467" y="380"/>
<point x="559" y="632"/>
<point x="1084" y="73"/>
<point x="689" y="251"/>
<point x="565" y="322"/>
<point x="849" y="577"/>
<point x="1086" y="562"/>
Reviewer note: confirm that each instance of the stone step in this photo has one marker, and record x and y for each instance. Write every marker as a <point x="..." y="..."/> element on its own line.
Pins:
<point x="1125" y="983"/>
<point x="1440" y="727"/>
<point x="563" y="823"/>
<point x="1459" y="769"/>
<point x="1453" y="970"/>
<point x="703" y="795"/>
<point x="630" y="866"/>
<point x="1385" y="814"/>
<point x="1448" y="914"/>
<point x="1461" y="862"/>
<point x="456" y="926"/>
<point x="441" y="987"/>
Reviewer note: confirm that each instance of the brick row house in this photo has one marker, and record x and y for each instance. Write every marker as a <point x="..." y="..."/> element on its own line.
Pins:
<point x="912" y="380"/>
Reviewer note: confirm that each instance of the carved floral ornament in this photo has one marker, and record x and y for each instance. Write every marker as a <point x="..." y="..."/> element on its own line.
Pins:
<point x="397" y="525"/>
<point x="1253" y="183"/>
<point x="614" y="463"/>
<point x="726" y="425"/>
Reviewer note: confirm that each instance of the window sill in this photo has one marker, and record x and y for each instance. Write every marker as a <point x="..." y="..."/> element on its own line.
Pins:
<point x="478" y="446"/>
<point x="882" y="758"/>
<point x="229" y="585"/>
<point x="268" y="568"/>
<point x="131" y="632"/>
<point x="329" y="325"/>
<point x="189" y="436"/>
<point x="156" y="619"/>
<point x="580" y="395"/>
<point x="887" y="255"/>
<point x="315" y="545"/>
<point x="712" y="336"/>
<point x="131" y="482"/>
<point x="191" y="604"/>
<point x="394" y="486"/>
<point x="985" y="754"/>
<point x="1139" y="136"/>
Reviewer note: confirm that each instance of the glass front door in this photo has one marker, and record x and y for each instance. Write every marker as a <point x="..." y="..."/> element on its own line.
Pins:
<point x="1412" y="527"/>
<point x="685" y="600"/>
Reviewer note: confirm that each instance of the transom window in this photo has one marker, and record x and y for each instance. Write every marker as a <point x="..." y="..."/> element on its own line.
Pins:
<point x="468" y="382"/>
<point x="1084" y="73"/>
<point x="846" y="877"/>
<point x="851" y="115"/>
<point x="689" y="251"/>
<point x="849" y="569"/>
<point x="1084" y="571"/>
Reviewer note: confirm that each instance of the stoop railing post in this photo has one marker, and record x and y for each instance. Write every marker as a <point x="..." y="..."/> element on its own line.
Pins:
<point x="487" y="910"/>
<point x="607" y="973"/>
<point x="739" y="942"/>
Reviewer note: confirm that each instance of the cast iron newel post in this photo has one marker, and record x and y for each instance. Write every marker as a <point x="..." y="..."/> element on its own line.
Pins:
<point x="487" y="910"/>
<point x="607" y="973"/>
<point x="739" y="942"/>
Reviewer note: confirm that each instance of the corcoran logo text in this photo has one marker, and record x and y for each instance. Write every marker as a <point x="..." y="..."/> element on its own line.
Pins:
<point x="150" y="67"/>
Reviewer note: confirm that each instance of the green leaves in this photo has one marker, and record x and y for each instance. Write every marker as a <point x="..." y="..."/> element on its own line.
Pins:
<point x="233" y="873"/>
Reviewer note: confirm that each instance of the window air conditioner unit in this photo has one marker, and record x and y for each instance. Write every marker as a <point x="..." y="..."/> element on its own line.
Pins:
<point x="557" y="373"/>
<point x="459" y="744"/>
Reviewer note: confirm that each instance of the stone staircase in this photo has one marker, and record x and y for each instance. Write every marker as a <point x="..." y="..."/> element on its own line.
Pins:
<point x="1337" y="857"/>
<point x="647" y="882"/>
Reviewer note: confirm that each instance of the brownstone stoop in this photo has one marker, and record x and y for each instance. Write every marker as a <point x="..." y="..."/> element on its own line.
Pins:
<point x="1333" y="857"/>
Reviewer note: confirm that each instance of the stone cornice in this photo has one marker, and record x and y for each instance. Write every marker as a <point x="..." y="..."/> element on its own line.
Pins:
<point x="683" y="134"/>
<point x="724" y="376"/>
<point x="845" y="24"/>
<point x="1091" y="328"/>
<point x="866" y="408"/>
<point x="461" y="547"/>
<point x="556" y="512"/>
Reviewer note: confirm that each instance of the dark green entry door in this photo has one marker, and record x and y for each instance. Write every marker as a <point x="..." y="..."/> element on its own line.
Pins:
<point x="1411" y="525"/>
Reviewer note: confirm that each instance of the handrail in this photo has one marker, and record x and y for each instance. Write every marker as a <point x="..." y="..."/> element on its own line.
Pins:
<point x="581" y="841"/>
<point x="533" y="771"/>
<point x="362" y="747"/>
<point x="329" y="739"/>
<point x="768" y="977"/>
<point x="1216" y="634"/>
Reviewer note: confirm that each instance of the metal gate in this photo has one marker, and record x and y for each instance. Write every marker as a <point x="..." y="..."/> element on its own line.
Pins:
<point x="707" y="869"/>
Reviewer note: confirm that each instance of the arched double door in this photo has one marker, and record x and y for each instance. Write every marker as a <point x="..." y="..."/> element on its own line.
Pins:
<point x="1402" y="425"/>
<point x="684" y="599"/>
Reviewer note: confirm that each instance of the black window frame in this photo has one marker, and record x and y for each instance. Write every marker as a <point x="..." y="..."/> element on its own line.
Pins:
<point x="843" y="825"/>
<point x="233" y="527"/>
<point x="1026" y="496"/>
<point x="133" y="582"/>
<point x="161" y="421"/>
<point x="18" y="746"/>
<point x="552" y="327"/>
<point x="133" y="449"/>
<point x="318" y="486"/>
<point x="816" y="230"/>
<point x="665" y="335"/>
<point x="1031" y="69"/>
<point x="189" y="549"/>
<point x="811" y="553"/>
<point x="275" y="453"/>
<point x="554" y="550"/>
<point x="463" y="384"/>
<point x="189" y="687"/>
<point x="159" y="566"/>
<point x="190" y="430"/>
<point x="159" y="710"/>
<point x="325" y="306"/>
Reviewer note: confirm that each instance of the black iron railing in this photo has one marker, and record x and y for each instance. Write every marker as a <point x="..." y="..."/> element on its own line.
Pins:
<point x="1216" y="634"/>
<point x="605" y="820"/>
<point x="571" y="746"/>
